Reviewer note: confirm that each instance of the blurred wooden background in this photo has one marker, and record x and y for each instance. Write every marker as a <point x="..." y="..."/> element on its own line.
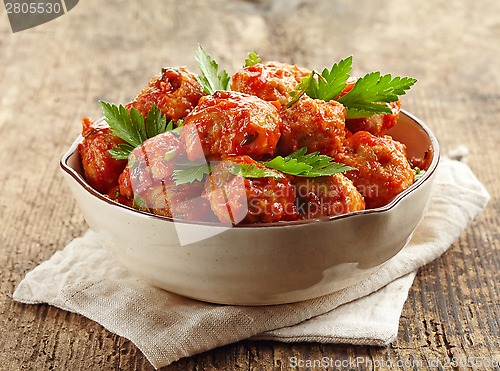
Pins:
<point x="54" y="74"/>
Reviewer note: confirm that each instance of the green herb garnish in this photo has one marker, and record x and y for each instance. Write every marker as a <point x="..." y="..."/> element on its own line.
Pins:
<point x="139" y="203"/>
<point x="122" y="152"/>
<point x="156" y="123"/>
<point x="125" y="124"/>
<point x="371" y="93"/>
<point x="298" y="164"/>
<point x="300" y="89"/>
<point x="253" y="58"/>
<point x="333" y="81"/>
<point x="132" y="128"/>
<point x="211" y="79"/>
<point x="369" y="96"/>
<point x="253" y="171"/>
<point x="191" y="174"/>
<point x="311" y="165"/>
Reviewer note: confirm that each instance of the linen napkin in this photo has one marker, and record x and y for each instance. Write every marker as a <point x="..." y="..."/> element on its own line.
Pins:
<point x="84" y="279"/>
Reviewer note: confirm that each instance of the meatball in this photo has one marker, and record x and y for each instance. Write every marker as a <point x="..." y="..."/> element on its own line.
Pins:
<point x="270" y="81"/>
<point x="235" y="199"/>
<point x="326" y="196"/>
<point x="151" y="163"/>
<point x="231" y="123"/>
<point x="183" y="202"/>
<point x="100" y="169"/>
<point x="376" y="124"/>
<point x="383" y="170"/>
<point x="175" y="92"/>
<point x="312" y="123"/>
<point x="147" y="180"/>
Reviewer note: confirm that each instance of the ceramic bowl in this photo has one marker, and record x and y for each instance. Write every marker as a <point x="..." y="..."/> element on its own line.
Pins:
<point x="259" y="264"/>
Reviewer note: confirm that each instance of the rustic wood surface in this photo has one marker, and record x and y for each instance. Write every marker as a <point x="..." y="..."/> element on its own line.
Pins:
<point x="54" y="74"/>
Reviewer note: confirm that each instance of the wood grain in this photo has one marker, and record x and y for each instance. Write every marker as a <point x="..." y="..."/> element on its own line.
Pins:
<point x="52" y="75"/>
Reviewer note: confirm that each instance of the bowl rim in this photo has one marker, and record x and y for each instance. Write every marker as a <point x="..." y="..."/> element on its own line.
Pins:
<point x="63" y="163"/>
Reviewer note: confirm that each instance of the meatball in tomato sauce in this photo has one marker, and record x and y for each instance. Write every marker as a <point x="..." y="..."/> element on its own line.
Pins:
<point x="383" y="171"/>
<point x="174" y="91"/>
<point x="147" y="180"/>
<point x="230" y="123"/>
<point x="377" y="124"/>
<point x="182" y="201"/>
<point x="326" y="196"/>
<point x="236" y="199"/>
<point x="312" y="123"/>
<point x="270" y="81"/>
<point x="100" y="169"/>
<point x="150" y="164"/>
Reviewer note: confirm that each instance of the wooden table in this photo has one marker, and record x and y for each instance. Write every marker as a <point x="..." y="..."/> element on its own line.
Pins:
<point x="54" y="74"/>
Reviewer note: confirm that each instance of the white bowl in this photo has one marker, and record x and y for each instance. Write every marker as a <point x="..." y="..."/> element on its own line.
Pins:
<point x="259" y="264"/>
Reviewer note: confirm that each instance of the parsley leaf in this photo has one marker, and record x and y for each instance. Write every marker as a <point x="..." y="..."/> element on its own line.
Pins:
<point x="126" y="125"/>
<point x="253" y="171"/>
<point x="211" y="79"/>
<point x="191" y="174"/>
<point x="371" y="92"/>
<point x="301" y="88"/>
<point x="253" y="58"/>
<point x="368" y="96"/>
<point x="178" y="126"/>
<point x="139" y="203"/>
<point x="290" y="164"/>
<point x="131" y="127"/>
<point x="156" y="122"/>
<point x="297" y="163"/>
<point x="121" y="152"/>
<point x="333" y="81"/>
<point x="310" y="165"/>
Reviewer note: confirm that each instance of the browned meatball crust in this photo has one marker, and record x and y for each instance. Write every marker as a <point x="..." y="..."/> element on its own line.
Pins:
<point x="147" y="180"/>
<point x="174" y="91"/>
<point x="230" y="123"/>
<point x="270" y="81"/>
<point x="100" y="169"/>
<point x="312" y="123"/>
<point x="383" y="170"/>
<point x="151" y="163"/>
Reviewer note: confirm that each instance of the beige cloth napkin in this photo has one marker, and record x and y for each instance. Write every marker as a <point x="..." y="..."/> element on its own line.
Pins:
<point x="82" y="278"/>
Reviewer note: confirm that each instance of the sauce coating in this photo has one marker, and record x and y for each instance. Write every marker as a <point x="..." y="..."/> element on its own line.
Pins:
<point x="312" y="123"/>
<point x="100" y="169"/>
<point x="174" y="91"/>
<point x="230" y="123"/>
<point x="147" y="181"/>
<point x="271" y="81"/>
<point x="383" y="171"/>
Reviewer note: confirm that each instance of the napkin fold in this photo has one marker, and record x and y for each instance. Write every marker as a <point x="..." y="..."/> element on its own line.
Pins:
<point x="84" y="279"/>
